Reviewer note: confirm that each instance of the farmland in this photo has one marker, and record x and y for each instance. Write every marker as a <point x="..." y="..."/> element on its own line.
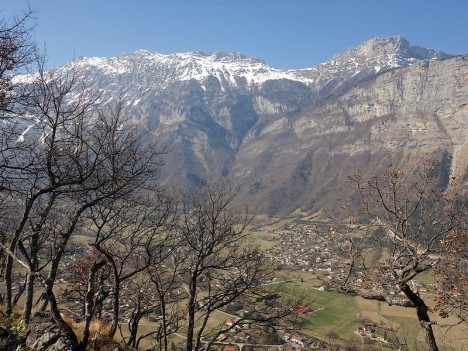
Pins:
<point x="337" y="316"/>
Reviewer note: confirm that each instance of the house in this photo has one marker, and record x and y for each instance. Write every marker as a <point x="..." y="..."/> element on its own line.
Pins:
<point x="297" y="340"/>
<point x="300" y="309"/>
<point x="230" y="348"/>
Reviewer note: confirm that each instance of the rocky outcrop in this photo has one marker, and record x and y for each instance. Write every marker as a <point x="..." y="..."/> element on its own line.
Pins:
<point x="44" y="335"/>
<point x="8" y="340"/>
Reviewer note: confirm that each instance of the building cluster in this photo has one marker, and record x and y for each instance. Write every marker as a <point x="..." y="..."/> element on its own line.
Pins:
<point x="249" y="337"/>
<point x="310" y="248"/>
<point x="304" y="246"/>
<point x="375" y="332"/>
<point x="318" y="248"/>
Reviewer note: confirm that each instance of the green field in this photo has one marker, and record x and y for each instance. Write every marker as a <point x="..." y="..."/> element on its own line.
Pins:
<point x="264" y="239"/>
<point x="333" y="313"/>
<point x="336" y="318"/>
<point x="426" y="278"/>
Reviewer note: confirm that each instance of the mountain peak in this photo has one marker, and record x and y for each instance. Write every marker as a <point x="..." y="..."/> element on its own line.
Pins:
<point x="393" y="46"/>
<point x="379" y="46"/>
<point x="379" y="55"/>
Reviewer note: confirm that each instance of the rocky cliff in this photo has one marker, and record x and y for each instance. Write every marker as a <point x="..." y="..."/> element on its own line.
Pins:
<point x="399" y="117"/>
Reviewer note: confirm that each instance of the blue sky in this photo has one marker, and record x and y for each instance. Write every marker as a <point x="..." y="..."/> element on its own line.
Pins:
<point x="284" y="33"/>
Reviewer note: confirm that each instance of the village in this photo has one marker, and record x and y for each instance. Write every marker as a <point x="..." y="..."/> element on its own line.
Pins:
<point x="318" y="249"/>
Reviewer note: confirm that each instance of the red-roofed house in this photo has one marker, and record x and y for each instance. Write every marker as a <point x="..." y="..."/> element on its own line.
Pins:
<point x="297" y="340"/>
<point x="299" y="309"/>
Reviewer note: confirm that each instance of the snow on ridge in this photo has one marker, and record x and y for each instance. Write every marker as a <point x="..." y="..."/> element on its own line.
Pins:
<point x="107" y="65"/>
<point x="384" y="53"/>
<point x="151" y="68"/>
<point x="191" y="65"/>
<point x="199" y="66"/>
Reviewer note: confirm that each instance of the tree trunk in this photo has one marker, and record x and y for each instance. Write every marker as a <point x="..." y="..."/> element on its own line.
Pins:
<point x="9" y="260"/>
<point x="9" y="285"/>
<point x="49" y="296"/>
<point x="191" y="312"/>
<point x="116" y="295"/>
<point x="34" y="250"/>
<point x="64" y="327"/>
<point x="53" y="270"/>
<point x="29" y="298"/>
<point x="90" y="303"/>
<point x="133" y="325"/>
<point x="423" y="317"/>
<point x="164" y="324"/>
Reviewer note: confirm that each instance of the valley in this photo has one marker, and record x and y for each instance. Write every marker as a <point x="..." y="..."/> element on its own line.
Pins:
<point x="308" y="265"/>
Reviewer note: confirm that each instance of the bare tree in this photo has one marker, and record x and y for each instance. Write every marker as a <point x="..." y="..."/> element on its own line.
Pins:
<point x="44" y="169"/>
<point x="129" y="232"/>
<point x="143" y="305"/>
<point x="406" y="216"/>
<point x="81" y="155"/>
<point x="87" y="277"/>
<point x="451" y="286"/>
<point x="164" y="275"/>
<point x="222" y="264"/>
<point x="17" y="51"/>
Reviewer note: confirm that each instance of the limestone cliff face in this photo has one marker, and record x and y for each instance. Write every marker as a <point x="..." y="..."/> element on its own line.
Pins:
<point x="425" y="104"/>
<point x="399" y="117"/>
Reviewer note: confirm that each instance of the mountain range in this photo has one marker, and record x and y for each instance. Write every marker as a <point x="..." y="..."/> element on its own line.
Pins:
<point x="291" y="138"/>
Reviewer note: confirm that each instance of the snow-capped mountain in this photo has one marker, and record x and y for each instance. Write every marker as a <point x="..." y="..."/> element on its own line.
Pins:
<point x="236" y="69"/>
<point x="373" y="57"/>
<point x="381" y="54"/>
<point x="162" y="70"/>
<point x="290" y="137"/>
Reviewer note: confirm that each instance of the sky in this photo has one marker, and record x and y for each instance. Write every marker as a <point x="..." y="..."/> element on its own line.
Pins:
<point x="284" y="33"/>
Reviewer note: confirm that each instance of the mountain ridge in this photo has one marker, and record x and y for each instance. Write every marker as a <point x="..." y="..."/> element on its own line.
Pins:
<point x="291" y="137"/>
<point x="199" y="65"/>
